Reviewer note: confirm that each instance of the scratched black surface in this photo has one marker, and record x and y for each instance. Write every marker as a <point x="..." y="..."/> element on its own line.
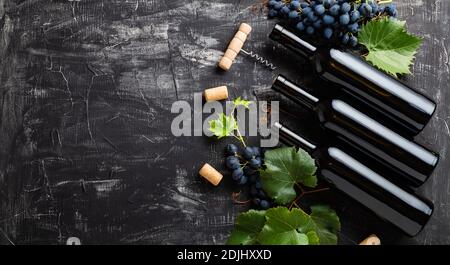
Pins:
<point x="86" y="90"/>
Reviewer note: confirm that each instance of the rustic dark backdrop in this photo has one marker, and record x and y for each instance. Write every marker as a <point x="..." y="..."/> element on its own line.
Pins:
<point x="85" y="144"/>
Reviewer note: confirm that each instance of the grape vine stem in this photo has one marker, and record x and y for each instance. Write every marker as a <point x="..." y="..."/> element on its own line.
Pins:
<point x="239" y="136"/>
<point x="235" y="196"/>
<point x="303" y="193"/>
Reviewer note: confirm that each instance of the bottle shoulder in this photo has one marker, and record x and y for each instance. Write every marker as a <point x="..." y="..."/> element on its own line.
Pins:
<point x="322" y="59"/>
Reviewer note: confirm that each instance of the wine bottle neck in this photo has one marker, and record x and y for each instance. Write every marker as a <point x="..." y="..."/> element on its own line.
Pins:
<point x="294" y="92"/>
<point x="289" y="39"/>
<point x="289" y="137"/>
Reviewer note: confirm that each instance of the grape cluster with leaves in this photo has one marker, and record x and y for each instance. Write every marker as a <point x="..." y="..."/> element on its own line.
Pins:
<point x="284" y="169"/>
<point x="328" y="19"/>
<point x="278" y="171"/>
<point x="245" y="167"/>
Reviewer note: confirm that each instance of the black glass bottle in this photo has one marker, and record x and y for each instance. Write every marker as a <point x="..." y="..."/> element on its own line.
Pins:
<point x="411" y="162"/>
<point x="392" y="99"/>
<point x="349" y="171"/>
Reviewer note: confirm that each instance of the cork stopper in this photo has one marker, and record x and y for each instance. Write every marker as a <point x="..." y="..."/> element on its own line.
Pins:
<point x="371" y="240"/>
<point x="216" y="93"/>
<point x="235" y="46"/>
<point x="211" y="174"/>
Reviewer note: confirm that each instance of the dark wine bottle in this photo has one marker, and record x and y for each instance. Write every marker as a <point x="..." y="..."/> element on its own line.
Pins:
<point x="342" y="166"/>
<point x="411" y="162"/>
<point x="392" y="99"/>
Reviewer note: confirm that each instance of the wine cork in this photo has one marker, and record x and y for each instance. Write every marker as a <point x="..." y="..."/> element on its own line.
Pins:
<point x="235" y="46"/>
<point x="211" y="174"/>
<point x="216" y="93"/>
<point x="371" y="240"/>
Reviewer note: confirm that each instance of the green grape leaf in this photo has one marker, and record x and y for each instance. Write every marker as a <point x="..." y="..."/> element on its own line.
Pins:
<point x="241" y="102"/>
<point x="282" y="226"/>
<point x="325" y="223"/>
<point x="223" y="126"/>
<point x="284" y="167"/>
<point x="391" y="48"/>
<point x="247" y="228"/>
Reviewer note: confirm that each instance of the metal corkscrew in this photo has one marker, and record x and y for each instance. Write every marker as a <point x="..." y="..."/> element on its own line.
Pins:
<point x="235" y="47"/>
<point x="260" y="59"/>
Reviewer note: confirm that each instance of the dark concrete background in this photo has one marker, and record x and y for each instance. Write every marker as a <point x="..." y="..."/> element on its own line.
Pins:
<point x="86" y="149"/>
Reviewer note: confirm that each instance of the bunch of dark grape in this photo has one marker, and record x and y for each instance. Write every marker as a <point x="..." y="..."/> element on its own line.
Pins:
<point x="245" y="168"/>
<point x="340" y="19"/>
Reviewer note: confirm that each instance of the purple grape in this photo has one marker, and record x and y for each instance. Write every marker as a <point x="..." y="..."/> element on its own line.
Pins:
<point x="285" y="10"/>
<point x="344" y="39"/>
<point x="231" y="149"/>
<point x="278" y="6"/>
<point x="353" y="28"/>
<point x="345" y="7"/>
<point x="300" y="26"/>
<point x="317" y="24"/>
<point x="327" y="33"/>
<point x="354" y="15"/>
<point x="319" y="9"/>
<point x="237" y="173"/>
<point x="255" y="163"/>
<point x="310" y="30"/>
<point x="293" y="14"/>
<point x="243" y="180"/>
<point x="344" y="19"/>
<point x="353" y="41"/>
<point x="334" y="10"/>
<point x="264" y="204"/>
<point x="248" y="153"/>
<point x="328" y="20"/>
<point x="295" y="5"/>
<point x="306" y="10"/>
<point x="312" y="17"/>
<point x="273" y="13"/>
<point x="256" y="151"/>
<point x="232" y="162"/>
